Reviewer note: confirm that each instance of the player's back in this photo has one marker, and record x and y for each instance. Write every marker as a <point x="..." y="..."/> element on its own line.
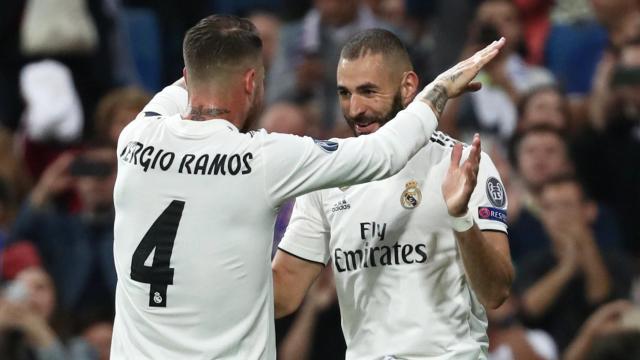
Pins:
<point x="191" y="194"/>
<point x="195" y="207"/>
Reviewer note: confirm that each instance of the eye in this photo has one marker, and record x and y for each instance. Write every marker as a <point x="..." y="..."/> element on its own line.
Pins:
<point x="343" y="93"/>
<point x="368" y="92"/>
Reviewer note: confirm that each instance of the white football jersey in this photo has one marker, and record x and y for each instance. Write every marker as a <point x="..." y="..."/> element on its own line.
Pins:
<point x="401" y="286"/>
<point x="196" y="203"/>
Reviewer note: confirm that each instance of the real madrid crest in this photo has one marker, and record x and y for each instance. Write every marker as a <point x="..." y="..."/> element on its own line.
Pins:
<point x="411" y="196"/>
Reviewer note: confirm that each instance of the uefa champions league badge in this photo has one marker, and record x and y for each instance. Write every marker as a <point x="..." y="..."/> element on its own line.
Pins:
<point x="411" y="196"/>
<point x="496" y="193"/>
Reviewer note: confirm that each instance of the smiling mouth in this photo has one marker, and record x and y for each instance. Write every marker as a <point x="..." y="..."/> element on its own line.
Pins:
<point x="365" y="128"/>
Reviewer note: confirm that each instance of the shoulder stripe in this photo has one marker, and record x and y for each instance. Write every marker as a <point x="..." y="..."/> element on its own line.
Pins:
<point x="300" y="257"/>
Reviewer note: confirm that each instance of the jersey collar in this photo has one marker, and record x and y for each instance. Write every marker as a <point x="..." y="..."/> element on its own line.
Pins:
<point x="198" y="129"/>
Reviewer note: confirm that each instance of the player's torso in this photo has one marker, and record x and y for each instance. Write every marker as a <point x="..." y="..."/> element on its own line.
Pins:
<point x="400" y="281"/>
<point x="193" y="280"/>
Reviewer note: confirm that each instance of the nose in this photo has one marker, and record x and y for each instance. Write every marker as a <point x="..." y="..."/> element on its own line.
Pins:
<point x="356" y="106"/>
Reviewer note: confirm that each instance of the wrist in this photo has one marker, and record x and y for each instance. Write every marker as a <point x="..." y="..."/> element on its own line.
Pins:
<point x="463" y="222"/>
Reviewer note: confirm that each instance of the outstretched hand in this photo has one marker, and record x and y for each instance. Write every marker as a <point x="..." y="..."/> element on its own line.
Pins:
<point x="457" y="80"/>
<point x="461" y="179"/>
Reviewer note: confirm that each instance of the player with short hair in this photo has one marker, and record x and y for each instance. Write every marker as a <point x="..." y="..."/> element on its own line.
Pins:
<point x="196" y="197"/>
<point x="415" y="256"/>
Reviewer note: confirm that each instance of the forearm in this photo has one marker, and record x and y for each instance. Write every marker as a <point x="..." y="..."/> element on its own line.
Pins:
<point x="579" y="347"/>
<point x="297" y="344"/>
<point x="489" y="272"/>
<point x="597" y="279"/>
<point x="285" y="302"/>
<point x="537" y="299"/>
<point x="292" y="278"/>
<point x="40" y="335"/>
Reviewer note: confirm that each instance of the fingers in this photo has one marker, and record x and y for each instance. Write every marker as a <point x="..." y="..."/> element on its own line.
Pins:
<point x="476" y="150"/>
<point x="62" y="162"/>
<point x="494" y="46"/>
<point x="473" y="87"/>
<point x="485" y="55"/>
<point x="456" y="155"/>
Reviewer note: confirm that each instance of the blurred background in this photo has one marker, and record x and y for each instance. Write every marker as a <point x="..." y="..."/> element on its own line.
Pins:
<point x="559" y="114"/>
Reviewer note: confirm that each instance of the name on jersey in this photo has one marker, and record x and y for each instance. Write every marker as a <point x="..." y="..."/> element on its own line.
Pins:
<point x="379" y="255"/>
<point x="155" y="158"/>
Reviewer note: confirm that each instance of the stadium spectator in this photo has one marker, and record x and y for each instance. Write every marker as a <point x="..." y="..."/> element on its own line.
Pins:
<point x="26" y="307"/>
<point x="493" y="110"/>
<point x="308" y="52"/>
<point x="510" y="340"/>
<point x="574" y="47"/>
<point x="76" y="243"/>
<point x="610" y="333"/>
<point x="545" y="105"/>
<point x="621" y="19"/>
<point x="610" y="168"/>
<point x="562" y="285"/>
<point x="115" y="110"/>
<point x="268" y="26"/>
<point x="541" y="153"/>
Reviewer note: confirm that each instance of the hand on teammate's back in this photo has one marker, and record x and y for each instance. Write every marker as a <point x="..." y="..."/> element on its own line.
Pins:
<point x="458" y="79"/>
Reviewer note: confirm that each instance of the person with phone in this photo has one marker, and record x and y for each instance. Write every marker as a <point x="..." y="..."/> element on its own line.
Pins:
<point x="69" y="218"/>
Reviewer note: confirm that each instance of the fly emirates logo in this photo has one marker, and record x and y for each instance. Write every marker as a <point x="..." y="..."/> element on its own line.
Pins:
<point x="379" y="255"/>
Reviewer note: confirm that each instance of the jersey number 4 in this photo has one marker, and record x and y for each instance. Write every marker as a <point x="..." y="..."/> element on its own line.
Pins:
<point x="160" y="237"/>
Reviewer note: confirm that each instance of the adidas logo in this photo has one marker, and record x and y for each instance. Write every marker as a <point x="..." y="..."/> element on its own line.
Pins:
<point x="341" y="205"/>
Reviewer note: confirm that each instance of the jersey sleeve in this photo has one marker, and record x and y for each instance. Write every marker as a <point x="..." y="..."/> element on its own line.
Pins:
<point x="297" y="165"/>
<point x="308" y="233"/>
<point x="488" y="203"/>
<point x="171" y="100"/>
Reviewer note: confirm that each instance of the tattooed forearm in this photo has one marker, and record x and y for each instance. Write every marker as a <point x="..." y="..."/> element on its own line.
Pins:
<point x="438" y="98"/>
<point x="200" y="113"/>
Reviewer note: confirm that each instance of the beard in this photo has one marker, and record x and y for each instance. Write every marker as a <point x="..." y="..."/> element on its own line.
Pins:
<point x="396" y="107"/>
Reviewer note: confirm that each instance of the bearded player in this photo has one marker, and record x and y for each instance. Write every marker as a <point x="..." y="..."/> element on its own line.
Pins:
<point x="416" y="257"/>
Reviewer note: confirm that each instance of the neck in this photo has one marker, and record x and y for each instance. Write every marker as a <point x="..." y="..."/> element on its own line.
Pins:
<point x="213" y="107"/>
<point x="206" y="112"/>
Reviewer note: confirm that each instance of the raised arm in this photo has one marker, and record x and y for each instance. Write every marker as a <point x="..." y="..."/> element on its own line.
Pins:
<point x="485" y="254"/>
<point x="296" y="165"/>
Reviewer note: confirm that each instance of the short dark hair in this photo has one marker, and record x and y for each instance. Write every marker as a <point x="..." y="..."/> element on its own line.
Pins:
<point x="616" y="346"/>
<point x="516" y="140"/>
<point x="374" y="41"/>
<point x="566" y="178"/>
<point x="533" y="92"/>
<point x="220" y="41"/>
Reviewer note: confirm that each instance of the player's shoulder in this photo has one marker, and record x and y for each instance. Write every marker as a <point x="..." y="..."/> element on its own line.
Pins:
<point x="441" y="144"/>
<point x="141" y="122"/>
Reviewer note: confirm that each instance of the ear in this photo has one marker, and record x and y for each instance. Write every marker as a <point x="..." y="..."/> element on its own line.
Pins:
<point x="250" y="81"/>
<point x="184" y="74"/>
<point x="409" y="87"/>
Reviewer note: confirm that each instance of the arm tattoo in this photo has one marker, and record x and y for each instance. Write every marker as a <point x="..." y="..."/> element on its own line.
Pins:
<point x="455" y="76"/>
<point x="200" y="113"/>
<point x="438" y="97"/>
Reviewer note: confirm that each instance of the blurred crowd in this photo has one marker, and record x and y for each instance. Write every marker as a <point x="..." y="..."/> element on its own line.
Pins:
<point x="559" y="113"/>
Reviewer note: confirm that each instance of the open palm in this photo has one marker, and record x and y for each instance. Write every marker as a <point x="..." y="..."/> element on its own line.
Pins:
<point x="461" y="179"/>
